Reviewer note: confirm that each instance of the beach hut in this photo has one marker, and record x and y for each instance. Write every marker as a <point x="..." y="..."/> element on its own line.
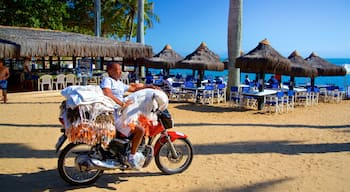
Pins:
<point x="300" y="68"/>
<point x="264" y="59"/>
<point x="165" y="59"/>
<point x="201" y="59"/>
<point x="18" y="42"/>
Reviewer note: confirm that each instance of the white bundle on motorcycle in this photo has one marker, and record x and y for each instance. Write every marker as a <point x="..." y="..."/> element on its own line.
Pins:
<point x="142" y="111"/>
<point x="88" y="115"/>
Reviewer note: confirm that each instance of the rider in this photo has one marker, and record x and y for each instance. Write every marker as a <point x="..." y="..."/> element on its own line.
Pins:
<point x="114" y="88"/>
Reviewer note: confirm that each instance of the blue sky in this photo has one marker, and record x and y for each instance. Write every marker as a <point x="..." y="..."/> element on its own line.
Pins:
<point x="322" y="26"/>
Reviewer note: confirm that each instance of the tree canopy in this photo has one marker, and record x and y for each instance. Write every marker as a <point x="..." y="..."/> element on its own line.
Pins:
<point x="118" y="17"/>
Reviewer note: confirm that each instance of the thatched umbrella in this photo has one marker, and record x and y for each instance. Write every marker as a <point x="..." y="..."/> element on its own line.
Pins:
<point x="22" y="42"/>
<point x="325" y="68"/>
<point x="165" y="59"/>
<point x="300" y="68"/>
<point x="263" y="59"/>
<point x="201" y="59"/>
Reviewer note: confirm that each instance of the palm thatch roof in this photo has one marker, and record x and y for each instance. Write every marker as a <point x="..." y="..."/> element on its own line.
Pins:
<point x="325" y="68"/>
<point x="166" y="58"/>
<point x="201" y="59"/>
<point x="26" y="42"/>
<point x="264" y="58"/>
<point x="300" y="68"/>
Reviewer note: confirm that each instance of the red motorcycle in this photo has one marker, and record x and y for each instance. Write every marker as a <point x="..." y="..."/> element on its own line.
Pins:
<point x="80" y="163"/>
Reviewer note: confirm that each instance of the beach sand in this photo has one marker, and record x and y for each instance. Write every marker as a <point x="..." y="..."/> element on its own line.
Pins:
<point x="304" y="150"/>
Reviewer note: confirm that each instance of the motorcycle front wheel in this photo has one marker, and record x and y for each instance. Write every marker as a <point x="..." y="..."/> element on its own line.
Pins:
<point x="71" y="168"/>
<point x="169" y="164"/>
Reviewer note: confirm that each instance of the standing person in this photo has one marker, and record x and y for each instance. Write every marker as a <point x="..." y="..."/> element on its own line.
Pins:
<point x="247" y="80"/>
<point x="4" y="75"/>
<point x="114" y="88"/>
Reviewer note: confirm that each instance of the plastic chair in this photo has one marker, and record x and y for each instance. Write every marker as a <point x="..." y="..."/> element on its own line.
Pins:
<point x="248" y="101"/>
<point x="207" y="95"/>
<point x="234" y="96"/>
<point x="190" y="91"/>
<point x="290" y="100"/>
<point x="45" y="80"/>
<point x="149" y="80"/>
<point x="275" y="101"/>
<point x="303" y="98"/>
<point x="125" y="78"/>
<point x="220" y="93"/>
<point x="60" y="81"/>
<point x="176" y="91"/>
<point x="71" y="79"/>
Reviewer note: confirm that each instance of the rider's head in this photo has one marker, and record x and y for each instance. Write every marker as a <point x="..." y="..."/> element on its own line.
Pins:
<point x="114" y="70"/>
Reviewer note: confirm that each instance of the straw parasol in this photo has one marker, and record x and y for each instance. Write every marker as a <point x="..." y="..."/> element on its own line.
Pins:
<point x="264" y="59"/>
<point x="165" y="59"/>
<point x="325" y="68"/>
<point x="201" y="59"/>
<point x="21" y="42"/>
<point x="300" y="68"/>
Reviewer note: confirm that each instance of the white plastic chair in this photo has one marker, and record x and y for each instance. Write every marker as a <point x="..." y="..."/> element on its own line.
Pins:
<point x="235" y="96"/>
<point x="207" y="96"/>
<point x="277" y="101"/>
<point x="125" y="77"/>
<point x="60" y="80"/>
<point x="71" y="79"/>
<point x="45" y="80"/>
<point x="220" y="93"/>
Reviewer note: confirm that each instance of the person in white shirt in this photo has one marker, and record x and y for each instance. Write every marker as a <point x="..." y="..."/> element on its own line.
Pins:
<point x="115" y="89"/>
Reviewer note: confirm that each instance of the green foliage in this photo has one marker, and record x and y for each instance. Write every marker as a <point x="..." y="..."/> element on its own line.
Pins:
<point x="118" y="17"/>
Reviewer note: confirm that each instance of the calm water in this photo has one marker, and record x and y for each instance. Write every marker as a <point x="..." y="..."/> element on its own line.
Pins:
<point x="342" y="81"/>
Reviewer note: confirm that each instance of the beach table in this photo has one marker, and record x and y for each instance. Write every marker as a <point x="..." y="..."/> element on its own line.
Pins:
<point x="195" y="90"/>
<point x="260" y="95"/>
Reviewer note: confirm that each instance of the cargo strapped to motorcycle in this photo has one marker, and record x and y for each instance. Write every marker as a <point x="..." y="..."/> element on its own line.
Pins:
<point x="88" y="115"/>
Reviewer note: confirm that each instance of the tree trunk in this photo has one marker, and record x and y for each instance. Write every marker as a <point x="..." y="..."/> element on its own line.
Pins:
<point x="234" y="42"/>
<point x="140" y="29"/>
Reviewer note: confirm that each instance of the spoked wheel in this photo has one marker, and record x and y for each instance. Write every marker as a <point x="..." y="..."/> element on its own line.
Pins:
<point x="73" y="164"/>
<point x="169" y="164"/>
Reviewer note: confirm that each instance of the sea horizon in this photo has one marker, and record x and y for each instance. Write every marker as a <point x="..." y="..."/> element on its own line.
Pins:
<point x="341" y="81"/>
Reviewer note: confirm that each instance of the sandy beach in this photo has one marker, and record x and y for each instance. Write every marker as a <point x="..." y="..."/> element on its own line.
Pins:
<point x="304" y="150"/>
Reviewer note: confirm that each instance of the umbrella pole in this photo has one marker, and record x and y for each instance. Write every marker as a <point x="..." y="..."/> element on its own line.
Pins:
<point x="291" y="83"/>
<point x="261" y="100"/>
<point x="312" y="83"/>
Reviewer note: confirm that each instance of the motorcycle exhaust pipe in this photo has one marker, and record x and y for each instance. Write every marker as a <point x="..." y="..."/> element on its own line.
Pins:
<point x="105" y="165"/>
<point x="85" y="163"/>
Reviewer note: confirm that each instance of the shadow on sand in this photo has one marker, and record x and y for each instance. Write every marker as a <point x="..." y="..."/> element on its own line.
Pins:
<point x="49" y="180"/>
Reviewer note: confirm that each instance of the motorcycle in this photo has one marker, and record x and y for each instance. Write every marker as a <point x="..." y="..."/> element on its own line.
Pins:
<point x="80" y="163"/>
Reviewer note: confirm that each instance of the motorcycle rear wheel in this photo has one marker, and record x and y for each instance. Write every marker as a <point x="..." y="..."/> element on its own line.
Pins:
<point x="67" y="166"/>
<point x="170" y="165"/>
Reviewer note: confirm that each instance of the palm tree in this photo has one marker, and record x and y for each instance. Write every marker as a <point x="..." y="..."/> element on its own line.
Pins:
<point x="234" y="41"/>
<point x="125" y="12"/>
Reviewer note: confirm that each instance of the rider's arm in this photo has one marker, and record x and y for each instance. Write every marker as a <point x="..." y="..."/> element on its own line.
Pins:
<point x="108" y="92"/>
<point x="138" y="86"/>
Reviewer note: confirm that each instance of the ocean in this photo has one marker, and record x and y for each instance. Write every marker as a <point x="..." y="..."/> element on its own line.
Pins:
<point x="341" y="81"/>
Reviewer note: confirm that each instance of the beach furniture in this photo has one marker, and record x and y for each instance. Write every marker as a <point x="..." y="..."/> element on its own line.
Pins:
<point x="235" y="96"/>
<point x="220" y="93"/>
<point x="206" y="95"/>
<point x="60" y="81"/>
<point x="276" y="101"/>
<point x="45" y="80"/>
<point x="71" y="79"/>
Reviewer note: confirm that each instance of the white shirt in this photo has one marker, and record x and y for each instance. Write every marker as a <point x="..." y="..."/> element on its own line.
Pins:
<point x="118" y="87"/>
